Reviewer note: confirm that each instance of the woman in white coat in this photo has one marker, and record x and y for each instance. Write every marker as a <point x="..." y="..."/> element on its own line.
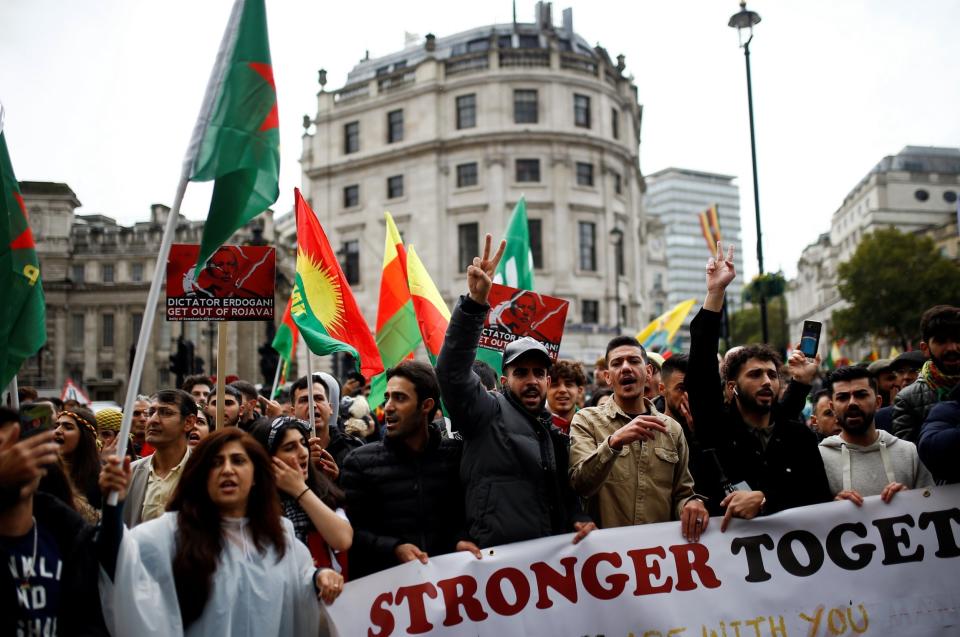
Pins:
<point x="220" y="561"/>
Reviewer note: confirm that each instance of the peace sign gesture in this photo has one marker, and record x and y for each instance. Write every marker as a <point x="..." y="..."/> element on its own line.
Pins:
<point x="480" y="273"/>
<point x="720" y="272"/>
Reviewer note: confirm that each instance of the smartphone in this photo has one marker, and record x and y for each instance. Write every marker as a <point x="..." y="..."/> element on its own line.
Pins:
<point x="35" y="417"/>
<point x="810" y="338"/>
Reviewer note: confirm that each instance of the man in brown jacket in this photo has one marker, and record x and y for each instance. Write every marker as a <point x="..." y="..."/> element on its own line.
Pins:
<point x="627" y="459"/>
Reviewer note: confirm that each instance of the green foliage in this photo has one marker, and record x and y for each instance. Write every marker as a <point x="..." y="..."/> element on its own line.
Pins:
<point x="771" y="284"/>
<point x="745" y="324"/>
<point x="889" y="281"/>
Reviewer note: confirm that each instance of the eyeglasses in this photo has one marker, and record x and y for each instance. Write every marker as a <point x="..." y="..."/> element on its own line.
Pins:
<point x="163" y="412"/>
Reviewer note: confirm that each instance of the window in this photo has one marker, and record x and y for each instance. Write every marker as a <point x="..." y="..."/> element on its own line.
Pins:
<point x="78" y="272"/>
<point x="394" y="186"/>
<point x="535" y="231"/>
<point x="528" y="41"/>
<point x="106" y="273"/>
<point x="581" y="110"/>
<point x="136" y="272"/>
<point x="395" y="126"/>
<point x="467" y="111"/>
<point x="351" y="196"/>
<point x="137" y="318"/>
<point x="617" y="183"/>
<point x="584" y="174"/>
<point x="528" y="170"/>
<point x="351" y="137"/>
<point x="921" y="195"/>
<point x="525" y="106"/>
<point x="588" y="246"/>
<point x="468" y="244"/>
<point x="615" y="123"/>
<point x="106" y="373"/>
<point x="950" y="196"/>
<point x="106" y="330"/>
<point x="77" y="329"/>
<point x="350" y="260"/>
<point x="658" y="284"/>
<point x="479" y="44"/>
<point x="467" y="175"/>
<point x="590" y="311"/>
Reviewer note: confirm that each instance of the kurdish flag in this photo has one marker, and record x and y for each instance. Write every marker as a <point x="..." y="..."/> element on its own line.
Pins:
<point x="236" y="141"/>
<point x="659" y="333"/>
<point x="433" y="315"/>
<point x="710" y="227"/>
<point x="397" y="333"/>
<point x="285" y="341"/>
<point x="323" y="306"/>
<point x="23" y="326"/>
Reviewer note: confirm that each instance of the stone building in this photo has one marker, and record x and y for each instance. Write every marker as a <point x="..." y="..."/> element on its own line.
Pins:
<point x="449" y="133"/>
<point x="96" y="275"/>
<point x="914" y="191"/>
<point x="676" y="196"/>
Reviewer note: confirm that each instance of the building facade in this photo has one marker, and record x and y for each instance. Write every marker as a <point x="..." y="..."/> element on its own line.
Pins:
<point x="915" y="190"/>
<point x="449" y="133"/>
<point x="96" y="275"/>
<point x="676" y="196"/>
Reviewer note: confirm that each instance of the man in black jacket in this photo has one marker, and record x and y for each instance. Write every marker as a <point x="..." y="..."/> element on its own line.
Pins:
<point x="763" y="459"/>
<point x="515" y="461"/>
<point x="403" y="496"/>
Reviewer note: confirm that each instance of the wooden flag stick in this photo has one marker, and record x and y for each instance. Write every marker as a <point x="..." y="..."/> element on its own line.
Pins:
<point x="221" y="370"/>
<point x="313" y="420"/>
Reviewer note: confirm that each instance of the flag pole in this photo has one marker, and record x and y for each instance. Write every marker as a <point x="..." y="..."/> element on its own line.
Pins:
<point x="221" y="370"/>
<point x="14" y="393"/>
<point x="146" y="327"/>
<point x="313" y="420"/>
<point x="276" y="378"/>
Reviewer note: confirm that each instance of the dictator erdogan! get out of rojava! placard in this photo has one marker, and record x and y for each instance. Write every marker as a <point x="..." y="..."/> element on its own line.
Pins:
<point x="235" y="284"/>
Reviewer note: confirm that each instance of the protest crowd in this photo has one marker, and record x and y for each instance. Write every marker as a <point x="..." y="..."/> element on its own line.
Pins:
<point x="247" y="526"/>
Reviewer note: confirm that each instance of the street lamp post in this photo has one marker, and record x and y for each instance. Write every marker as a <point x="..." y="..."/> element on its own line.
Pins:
<point x="616" y="239"/>
<point x="744" y="20"/>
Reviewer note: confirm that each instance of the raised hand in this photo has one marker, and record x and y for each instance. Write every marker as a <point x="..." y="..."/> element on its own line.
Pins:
<point x="480" y="272"/>
<point x="803" y="369"/>
<point x="720" y="272"/>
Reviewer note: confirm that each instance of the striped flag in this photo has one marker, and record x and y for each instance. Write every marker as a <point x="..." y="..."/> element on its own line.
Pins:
<point x="710" y="227"/>
<point x="433" y="315"/>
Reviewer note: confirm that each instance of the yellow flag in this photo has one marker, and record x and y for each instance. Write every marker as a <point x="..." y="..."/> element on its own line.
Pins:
<point x="667" y="323"/>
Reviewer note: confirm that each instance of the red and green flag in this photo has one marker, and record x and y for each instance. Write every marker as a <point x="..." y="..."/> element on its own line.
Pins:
<point x="323" y="306"/>
<point x="285" y="341"/>
<point x="236" y="141"/>
<point x="397" y="331"/>
<point x="23" y="325"/>
<point x="433" y="315"/>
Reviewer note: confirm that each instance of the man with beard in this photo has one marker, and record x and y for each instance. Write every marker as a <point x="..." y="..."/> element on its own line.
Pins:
<point x="940" y="334"/>
<point x="763" y="459"/>
<point x="824" y="418"/>
<point x="514" y="467"/>
<point x="403" y="496"/>
<point x="861" y="461"/>
<point x="627" y="459"/>
<point x="330" y="446"/>
<point x="232" y="407"/>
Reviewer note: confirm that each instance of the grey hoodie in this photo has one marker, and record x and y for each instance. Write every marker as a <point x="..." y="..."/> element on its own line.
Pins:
<point x="867" y="470"/>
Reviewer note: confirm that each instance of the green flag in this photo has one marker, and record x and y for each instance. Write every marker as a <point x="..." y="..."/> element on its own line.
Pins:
<point x="516" y="266"/>
<point x="23" y="325"/>
<point x="236" y="141"/>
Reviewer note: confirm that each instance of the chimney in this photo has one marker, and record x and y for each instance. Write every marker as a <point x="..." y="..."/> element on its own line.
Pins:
<point x="568" y="22"/>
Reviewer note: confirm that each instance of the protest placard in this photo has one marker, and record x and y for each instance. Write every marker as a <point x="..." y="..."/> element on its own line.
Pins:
<point x="823" y="570"/>
<point x="235" y="284"/>
<point x="516" y="313"/>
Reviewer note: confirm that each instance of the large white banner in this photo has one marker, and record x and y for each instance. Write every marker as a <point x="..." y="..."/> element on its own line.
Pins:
<point x="825" y="570"/>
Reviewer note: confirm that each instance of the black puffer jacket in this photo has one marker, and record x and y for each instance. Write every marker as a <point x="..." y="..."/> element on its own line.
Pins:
<point x="395" y="496"/>
<point x="939" y="446"/>
<point x="80" y="612"/>
<point x="789" y="471"/>
<point x="514" y="467"/>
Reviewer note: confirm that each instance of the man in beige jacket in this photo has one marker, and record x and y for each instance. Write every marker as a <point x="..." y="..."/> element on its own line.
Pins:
<point x="627" y="459"/>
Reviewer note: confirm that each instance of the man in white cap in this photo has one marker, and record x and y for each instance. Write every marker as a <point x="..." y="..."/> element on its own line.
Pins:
<point x="514" y="465"/>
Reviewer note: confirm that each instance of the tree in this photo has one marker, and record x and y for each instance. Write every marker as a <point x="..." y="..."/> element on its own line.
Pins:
<point x="889" y="281"/>
<point x="745" y="324"/>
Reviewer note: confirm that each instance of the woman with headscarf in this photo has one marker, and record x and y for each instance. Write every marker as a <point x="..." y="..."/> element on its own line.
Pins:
<point x="307" y="497"/>
<point x="76" y="433"/>
<point x="220" y="561"/>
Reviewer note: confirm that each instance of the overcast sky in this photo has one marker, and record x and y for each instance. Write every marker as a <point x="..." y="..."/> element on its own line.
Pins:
<point x="103" y="94"/>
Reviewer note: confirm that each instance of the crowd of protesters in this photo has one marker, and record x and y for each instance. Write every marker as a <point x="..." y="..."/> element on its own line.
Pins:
<point x="247" y="526"/>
